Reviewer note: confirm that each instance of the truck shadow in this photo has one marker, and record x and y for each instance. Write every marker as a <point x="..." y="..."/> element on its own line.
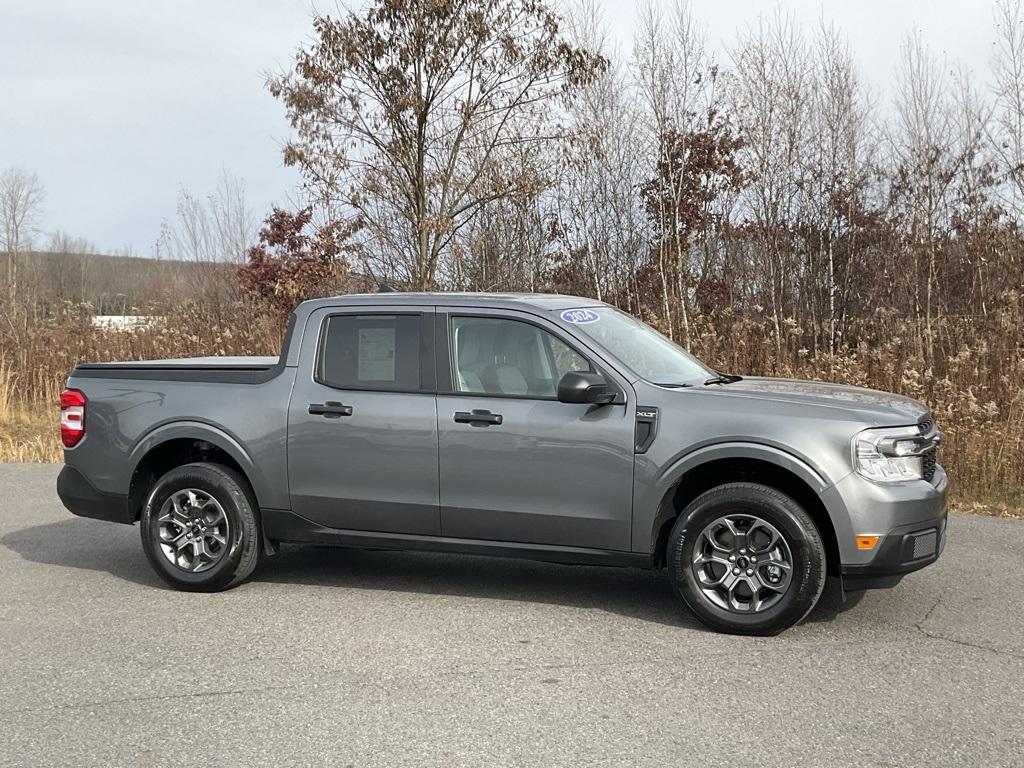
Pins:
<point x="633" y="593"/>
<point x="88" y="545"/>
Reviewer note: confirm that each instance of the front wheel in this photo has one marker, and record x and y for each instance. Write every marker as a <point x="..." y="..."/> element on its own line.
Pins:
<point x="746" y="559"/>
<point x="199" y="528"/>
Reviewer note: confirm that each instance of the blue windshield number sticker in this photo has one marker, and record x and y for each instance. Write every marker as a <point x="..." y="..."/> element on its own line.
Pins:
<point x="580" y="316"/>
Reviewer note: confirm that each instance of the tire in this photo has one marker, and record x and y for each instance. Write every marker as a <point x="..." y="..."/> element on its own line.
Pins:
<point x="199" y="528"/>
<point x="777" y="568"/>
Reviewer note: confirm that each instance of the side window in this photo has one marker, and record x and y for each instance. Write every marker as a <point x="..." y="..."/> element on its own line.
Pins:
<point x="509" y="357"/>
<point x="567" y="359"/>
<point x="379" y="352"/>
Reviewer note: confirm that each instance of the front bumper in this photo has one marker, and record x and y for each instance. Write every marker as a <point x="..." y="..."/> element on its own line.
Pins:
<point x="909" y="519"/>
<point x="83" y="499"/>
<point x="905" y="549"/>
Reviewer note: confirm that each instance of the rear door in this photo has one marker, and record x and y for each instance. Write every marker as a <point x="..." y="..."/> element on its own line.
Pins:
<point x="516" y="465"/>
<point x="362" y="428"/>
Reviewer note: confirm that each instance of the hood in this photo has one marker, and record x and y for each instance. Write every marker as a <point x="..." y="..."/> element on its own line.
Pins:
<point x="884" y="408"/>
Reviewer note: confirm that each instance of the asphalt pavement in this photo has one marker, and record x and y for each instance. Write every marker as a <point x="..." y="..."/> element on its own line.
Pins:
<point x="355" y="658"/>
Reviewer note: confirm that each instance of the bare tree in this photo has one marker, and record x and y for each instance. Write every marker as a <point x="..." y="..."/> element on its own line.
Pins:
<point x="212" y="236"/>
<point x="978" y="207"/>
<point x="1007" y="130"/>
<point x="21" y="200"/>
<point x="69" y="276"/>
<point x="598" y="230"/>
<point x="504" y="247"/>
<point x="677" y="78"/>
<point x="837" y="184"/>
<point x="925" y="160"/>
<point x="770" y="91"/>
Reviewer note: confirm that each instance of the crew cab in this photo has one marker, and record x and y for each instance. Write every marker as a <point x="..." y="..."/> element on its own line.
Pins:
<point x="519" y="425"/>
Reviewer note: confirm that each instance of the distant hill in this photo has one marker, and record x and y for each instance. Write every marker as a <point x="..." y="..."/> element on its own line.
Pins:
<point x="111" y="284"/>
<point x="51" y="283"/>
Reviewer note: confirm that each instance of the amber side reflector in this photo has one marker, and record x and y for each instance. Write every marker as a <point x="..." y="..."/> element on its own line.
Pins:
<point x="866" y="542"/>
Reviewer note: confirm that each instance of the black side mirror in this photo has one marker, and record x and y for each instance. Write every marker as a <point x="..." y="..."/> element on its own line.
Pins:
<point x="584" y="387"/>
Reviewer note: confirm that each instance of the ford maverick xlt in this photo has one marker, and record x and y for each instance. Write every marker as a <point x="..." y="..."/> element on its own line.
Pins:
<point x="547" y="427"/>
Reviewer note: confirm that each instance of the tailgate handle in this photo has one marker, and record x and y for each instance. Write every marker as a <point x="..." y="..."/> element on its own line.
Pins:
<point x="330" y="410"/>
<point x="477" y="418"/>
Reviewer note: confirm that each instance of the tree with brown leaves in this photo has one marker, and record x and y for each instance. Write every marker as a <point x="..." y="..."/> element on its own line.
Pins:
<point x="405" y="112"/>
<point x="289" y="265"/>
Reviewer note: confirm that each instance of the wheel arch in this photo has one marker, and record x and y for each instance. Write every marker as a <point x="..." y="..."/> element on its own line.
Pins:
<point x="173" y="445"/>
<point x="771" y="468"/>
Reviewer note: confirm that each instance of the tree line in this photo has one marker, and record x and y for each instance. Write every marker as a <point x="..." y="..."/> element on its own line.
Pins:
<point x="493" y="146"/>
<point x="470" y="145"/>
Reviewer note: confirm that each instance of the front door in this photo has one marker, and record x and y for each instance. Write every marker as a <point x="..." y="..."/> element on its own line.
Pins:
<point x="362" y="424"/>
<point x="516" y="465"/>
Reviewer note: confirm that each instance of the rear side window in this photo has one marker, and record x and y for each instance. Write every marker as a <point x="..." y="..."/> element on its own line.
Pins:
<point x="380" y="352"/>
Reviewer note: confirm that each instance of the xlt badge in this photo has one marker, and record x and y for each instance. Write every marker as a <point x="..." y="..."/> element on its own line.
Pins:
<point x="646" y="427"/>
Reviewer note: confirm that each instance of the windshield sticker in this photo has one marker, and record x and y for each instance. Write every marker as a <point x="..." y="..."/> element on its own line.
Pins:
<point x="580" y="316"/>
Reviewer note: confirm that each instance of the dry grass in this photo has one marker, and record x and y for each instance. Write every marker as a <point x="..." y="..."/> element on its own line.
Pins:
<point x="37" y="356"/>
<point x="6" y="390"/>
<point x="971" y="376"/>
<point x="31" y="435"/>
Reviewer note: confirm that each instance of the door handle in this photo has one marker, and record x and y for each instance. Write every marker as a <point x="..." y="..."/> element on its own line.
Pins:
<point x="330" y="410"/>
<point x="481" y="418"/>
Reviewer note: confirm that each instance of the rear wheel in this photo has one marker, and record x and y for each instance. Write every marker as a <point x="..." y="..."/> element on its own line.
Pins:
<point x="199" y="528"/>
<point x="746" y="559"/>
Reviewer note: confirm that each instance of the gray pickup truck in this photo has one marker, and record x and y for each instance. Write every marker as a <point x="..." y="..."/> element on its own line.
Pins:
<point x="538" y="426"/>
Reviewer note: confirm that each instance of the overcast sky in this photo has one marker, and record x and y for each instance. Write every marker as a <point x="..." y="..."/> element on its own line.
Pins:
<point x="119" y="104"/>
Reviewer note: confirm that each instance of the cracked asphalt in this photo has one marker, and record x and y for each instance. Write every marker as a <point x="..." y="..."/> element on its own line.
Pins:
<point x="353" y="658"/>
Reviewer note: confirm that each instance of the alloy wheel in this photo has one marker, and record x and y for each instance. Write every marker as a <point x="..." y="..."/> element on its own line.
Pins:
<point x="193" y="530"/>
<point x="742" y="563"/>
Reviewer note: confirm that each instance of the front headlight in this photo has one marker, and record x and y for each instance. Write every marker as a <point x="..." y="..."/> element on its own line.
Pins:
<point x="893" y="454"/>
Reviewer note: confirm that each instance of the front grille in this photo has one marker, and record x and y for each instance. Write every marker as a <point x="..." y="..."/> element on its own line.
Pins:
<point x="929" y="464"/>
<point x="931" y="435"/>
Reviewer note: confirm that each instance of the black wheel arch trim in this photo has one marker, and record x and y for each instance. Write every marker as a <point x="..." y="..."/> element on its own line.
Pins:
<point x="700" y="459"/>
<point x="195" y="431"/>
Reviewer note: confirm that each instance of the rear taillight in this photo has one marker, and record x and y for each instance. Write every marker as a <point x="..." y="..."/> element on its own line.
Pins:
<point x="72" y="417"/>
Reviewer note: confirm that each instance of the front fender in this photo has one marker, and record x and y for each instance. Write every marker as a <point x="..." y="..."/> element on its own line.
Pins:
<point x="649" y="494"/>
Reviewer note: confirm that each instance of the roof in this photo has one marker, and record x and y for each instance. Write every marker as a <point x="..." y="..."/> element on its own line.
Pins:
<point x="545" y="301"/>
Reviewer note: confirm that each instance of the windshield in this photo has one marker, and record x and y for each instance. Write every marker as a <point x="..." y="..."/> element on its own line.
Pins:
<point x="649" y="354"/>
